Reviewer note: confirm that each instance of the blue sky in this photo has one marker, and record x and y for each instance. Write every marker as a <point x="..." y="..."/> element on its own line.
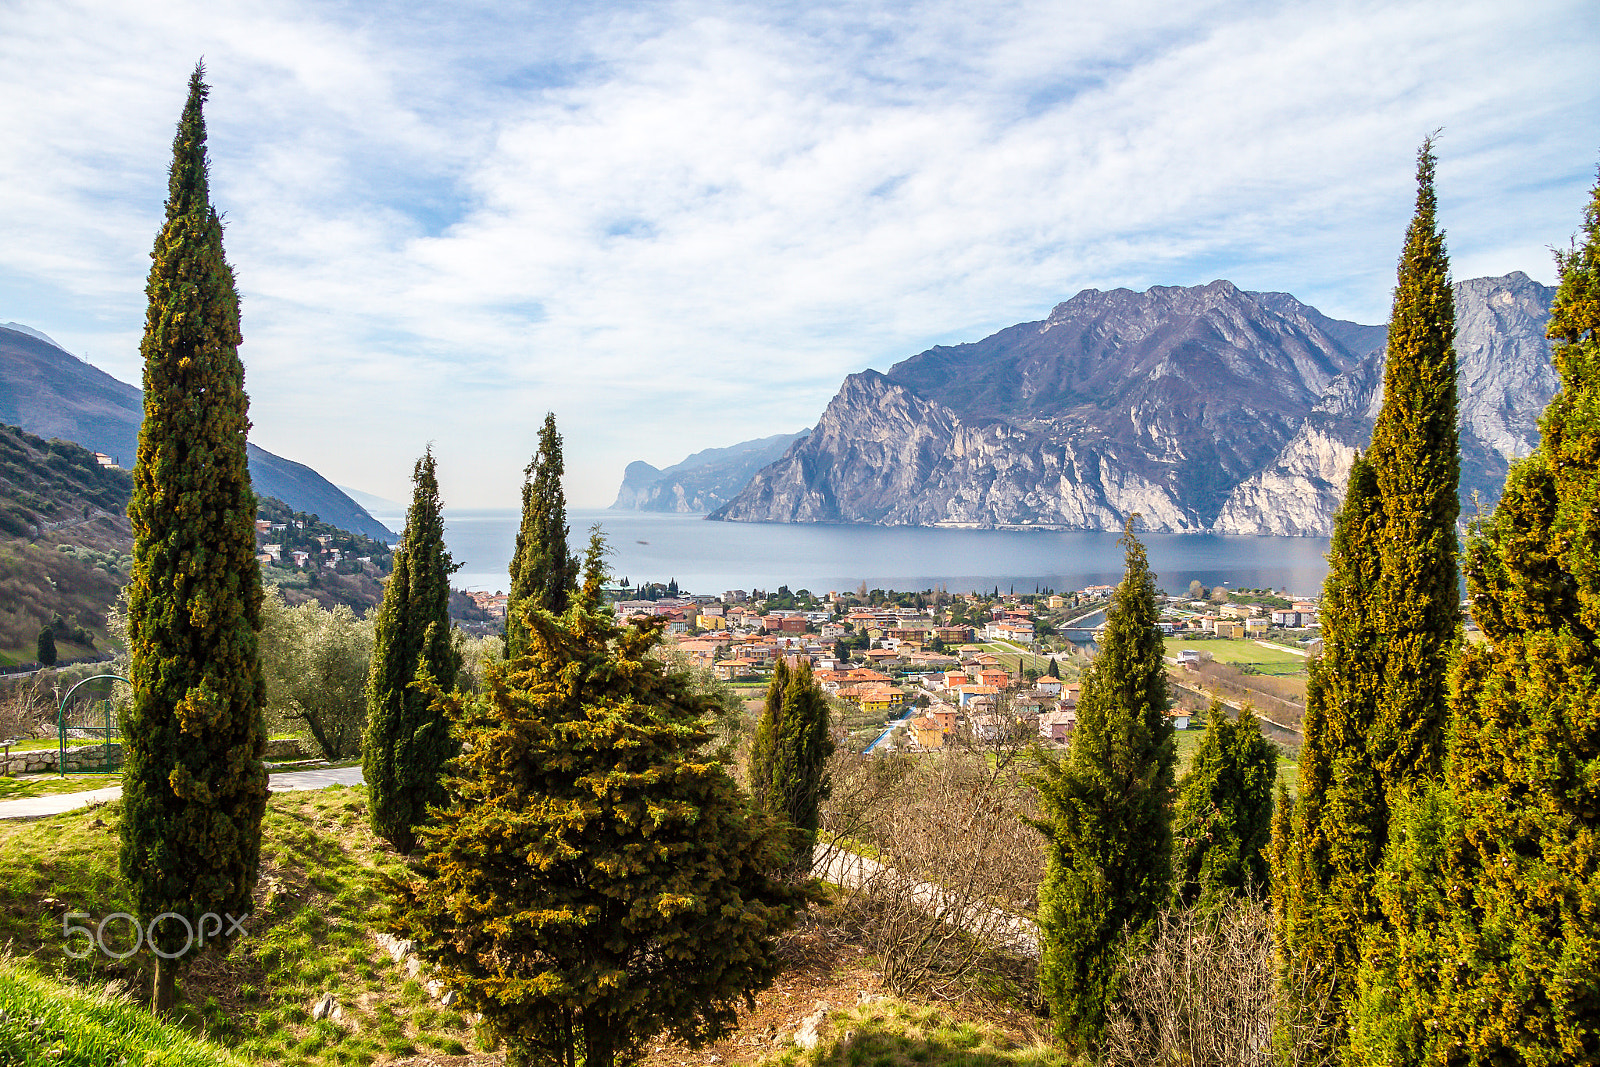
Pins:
<point x="679" y="225"/>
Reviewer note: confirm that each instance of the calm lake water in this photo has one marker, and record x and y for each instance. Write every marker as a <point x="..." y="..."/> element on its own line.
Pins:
<point x="710" y="557"/>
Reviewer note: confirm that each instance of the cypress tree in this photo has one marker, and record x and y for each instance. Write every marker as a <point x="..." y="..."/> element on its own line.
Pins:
<point x="1376" y="711"/>
<point x="594" y="880"/>
<point x="45" y="652"/>
<point x="795" y="744"/>
<point x="407" y="740"/>
<point x="544" y="573"/>
<point x="193" y="787"/>
<point x="1492" y="882"/>
<point x="1223" y="818"/>
<point x="1322" y="886"/>
<point x="764" y="746"/>
<point x="1109" y="854"/>
<point x="1416" y="461"/>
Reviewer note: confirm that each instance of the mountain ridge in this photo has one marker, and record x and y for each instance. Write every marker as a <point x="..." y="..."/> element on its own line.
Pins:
<point x="48" y="391"/>
<point x="702" y="482"/>
<point x="1205" y="409"/>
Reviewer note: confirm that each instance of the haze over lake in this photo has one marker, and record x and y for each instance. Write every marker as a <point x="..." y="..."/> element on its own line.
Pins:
<point x="710" y="557"/>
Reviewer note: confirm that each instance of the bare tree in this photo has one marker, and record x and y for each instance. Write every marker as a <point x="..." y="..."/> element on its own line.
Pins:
<point x="1206" y="992"/>
<point x="938" y="869"/>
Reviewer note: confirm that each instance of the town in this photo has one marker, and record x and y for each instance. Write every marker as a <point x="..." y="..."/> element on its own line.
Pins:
<point x="913" y="672"/>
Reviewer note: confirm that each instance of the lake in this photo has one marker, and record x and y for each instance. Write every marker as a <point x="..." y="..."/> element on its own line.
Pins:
<point x="710" y="557"/>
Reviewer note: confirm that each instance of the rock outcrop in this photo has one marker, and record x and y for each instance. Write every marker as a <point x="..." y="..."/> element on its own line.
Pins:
<point x="1504" y="380"/>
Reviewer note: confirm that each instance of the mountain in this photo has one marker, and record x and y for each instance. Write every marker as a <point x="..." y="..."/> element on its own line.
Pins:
<point x="49" y="392"/>
<point x="1204" y="408"/>
<point x="703" y="482"/>
<point x="1504" y="381"/>
<point x="372" y="502"/>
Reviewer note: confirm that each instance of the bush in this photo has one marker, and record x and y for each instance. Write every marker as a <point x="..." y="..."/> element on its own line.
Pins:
<point x="1204" y="992"/>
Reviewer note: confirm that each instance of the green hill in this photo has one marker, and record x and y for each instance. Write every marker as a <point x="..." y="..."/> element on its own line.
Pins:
<point x="64" y="545"/>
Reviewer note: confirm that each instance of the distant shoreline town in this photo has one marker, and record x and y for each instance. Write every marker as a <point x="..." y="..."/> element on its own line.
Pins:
<point x="916" y="671"/>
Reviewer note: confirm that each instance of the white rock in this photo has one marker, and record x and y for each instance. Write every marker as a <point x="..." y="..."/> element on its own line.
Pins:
<point x="810" y="1032"/>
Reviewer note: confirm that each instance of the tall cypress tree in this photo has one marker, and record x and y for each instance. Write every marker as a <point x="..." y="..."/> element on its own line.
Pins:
<point x="1376" y="713"/>
<point x="1223" y="818"/>
<point x="1322" y="885"/>
<point x="407" y="740"/>
<point x="1492" y="882"/>
<point x="1109" y="855"/>
<point x="194" y="788"/>
<point x="544" y="572"/>
<point x="1416" y="460"/>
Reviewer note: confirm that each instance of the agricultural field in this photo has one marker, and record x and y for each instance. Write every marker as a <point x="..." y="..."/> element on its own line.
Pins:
<point x="1261" y="658"/>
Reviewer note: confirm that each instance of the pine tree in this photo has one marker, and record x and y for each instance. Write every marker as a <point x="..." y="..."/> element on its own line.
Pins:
<point x="1109" y="855"/>
<point x="193" y="786"/>
<point x="1054" y="670"/>
<point x="594" y="880"/>
<point x="1223" y="819"/>
<point x="1375" y="708"/>
<point x="407" y="741"/>
<point x="1492" y="881"/>
<point x="544" y="573"/>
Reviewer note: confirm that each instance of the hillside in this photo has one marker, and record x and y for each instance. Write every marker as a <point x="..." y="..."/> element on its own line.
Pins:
<point x="64" y="544"/>
<point x="49" y="392"/>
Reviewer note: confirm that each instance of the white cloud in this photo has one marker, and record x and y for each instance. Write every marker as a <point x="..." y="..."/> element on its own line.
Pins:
<point x="678" y="226"/>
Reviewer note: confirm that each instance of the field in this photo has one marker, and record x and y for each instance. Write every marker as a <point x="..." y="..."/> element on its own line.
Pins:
<point x="1240" y="653"/>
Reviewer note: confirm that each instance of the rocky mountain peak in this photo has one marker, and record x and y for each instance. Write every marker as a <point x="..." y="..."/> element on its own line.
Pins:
<point x="1202" y="407"/>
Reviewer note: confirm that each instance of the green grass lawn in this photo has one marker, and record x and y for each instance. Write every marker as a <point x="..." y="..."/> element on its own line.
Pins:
<point x="318" y="907"/>
<point x="1009" y="658"/>
<point x="1242" y="653"/>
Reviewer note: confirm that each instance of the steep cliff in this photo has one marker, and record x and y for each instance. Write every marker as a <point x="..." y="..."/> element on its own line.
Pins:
<point x="1504" y="378"/>
<point x="703" y="482"/>
<point x="1204" y="408"/>
<point x="1158" y="402"/>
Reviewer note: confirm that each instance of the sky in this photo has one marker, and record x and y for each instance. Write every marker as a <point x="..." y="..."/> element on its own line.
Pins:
<point x="679" y="225"/>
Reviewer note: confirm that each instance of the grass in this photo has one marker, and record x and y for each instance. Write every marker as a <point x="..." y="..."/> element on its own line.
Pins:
<point x="890" y="1033"/>
<point x="44" y="1021"/>
<point x="318" y="907"/>
<point x="25" y="786"/>
<point x="1242" y="653"/>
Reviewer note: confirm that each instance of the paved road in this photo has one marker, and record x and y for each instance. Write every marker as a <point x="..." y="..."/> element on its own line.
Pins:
<point x="37" y="807"/>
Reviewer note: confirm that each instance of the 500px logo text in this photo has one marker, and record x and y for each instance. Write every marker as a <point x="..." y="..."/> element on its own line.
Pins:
<point x="210" y="925"/>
